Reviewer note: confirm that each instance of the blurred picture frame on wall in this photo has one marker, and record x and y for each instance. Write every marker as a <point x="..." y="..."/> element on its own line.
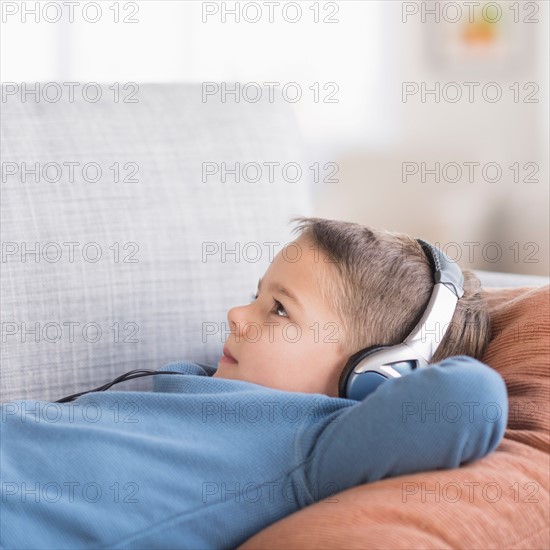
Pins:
<point x="489" y="39"/>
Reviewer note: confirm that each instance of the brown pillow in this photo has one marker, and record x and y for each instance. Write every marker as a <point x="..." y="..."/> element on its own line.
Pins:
<point x="499" y="501"/>
<point x="520" y="351"/>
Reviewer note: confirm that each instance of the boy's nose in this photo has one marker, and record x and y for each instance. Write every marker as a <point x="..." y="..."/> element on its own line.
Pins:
<point x="238" y="319"/>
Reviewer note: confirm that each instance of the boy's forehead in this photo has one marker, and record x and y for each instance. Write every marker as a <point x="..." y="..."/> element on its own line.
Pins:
<point x="296" y="254"/>
<point x="307" y="277"/>
<point x="297" y="265"/>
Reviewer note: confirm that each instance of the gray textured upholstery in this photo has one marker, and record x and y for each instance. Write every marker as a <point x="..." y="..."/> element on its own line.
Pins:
<point x="155" y="283"/>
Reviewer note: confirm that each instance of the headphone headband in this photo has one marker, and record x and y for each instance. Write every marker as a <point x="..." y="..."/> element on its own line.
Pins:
<point x="445" y="271"/>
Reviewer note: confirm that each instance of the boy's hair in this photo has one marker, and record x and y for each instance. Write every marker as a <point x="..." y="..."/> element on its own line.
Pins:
<point x="379" y="283"/>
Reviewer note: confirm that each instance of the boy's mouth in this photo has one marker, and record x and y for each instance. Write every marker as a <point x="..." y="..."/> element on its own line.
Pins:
<point x="227" y="357"/>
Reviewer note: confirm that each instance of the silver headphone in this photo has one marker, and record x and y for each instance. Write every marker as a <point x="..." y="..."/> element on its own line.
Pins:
<point x="370" y="367"/>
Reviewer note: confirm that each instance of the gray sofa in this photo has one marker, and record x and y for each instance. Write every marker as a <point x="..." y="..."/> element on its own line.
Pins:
<point x="117" y="246"/>
<point x="166" y="276"/>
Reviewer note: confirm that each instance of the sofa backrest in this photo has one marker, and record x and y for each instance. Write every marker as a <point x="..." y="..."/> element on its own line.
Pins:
<point x="118" y="229"/>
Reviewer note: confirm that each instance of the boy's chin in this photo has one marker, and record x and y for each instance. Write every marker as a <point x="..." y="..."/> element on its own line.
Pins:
<point x="224" y="370"/>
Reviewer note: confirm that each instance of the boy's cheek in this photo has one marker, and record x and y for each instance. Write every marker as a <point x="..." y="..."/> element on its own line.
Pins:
<point x="273" y="332"/>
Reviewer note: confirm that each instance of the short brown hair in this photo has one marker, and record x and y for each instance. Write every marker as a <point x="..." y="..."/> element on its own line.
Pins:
<point x="382" y="286"/>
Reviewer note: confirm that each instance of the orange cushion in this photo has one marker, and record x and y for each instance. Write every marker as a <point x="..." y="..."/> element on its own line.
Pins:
<point x="500" y="501"/>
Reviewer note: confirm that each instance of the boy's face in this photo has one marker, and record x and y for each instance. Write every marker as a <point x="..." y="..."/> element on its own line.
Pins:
<point x="278" y="343"/>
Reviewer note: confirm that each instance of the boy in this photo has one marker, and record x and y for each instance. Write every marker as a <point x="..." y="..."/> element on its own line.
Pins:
<point x="210" y="458"/>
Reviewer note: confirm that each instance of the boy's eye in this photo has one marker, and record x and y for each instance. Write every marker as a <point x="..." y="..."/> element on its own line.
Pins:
<point x="278" y="306"/>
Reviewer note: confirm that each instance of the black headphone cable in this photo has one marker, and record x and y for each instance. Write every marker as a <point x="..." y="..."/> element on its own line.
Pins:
<point x="122" y="378"/>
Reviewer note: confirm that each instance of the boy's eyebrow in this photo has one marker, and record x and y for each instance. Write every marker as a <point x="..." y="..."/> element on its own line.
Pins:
<point x="282" y="290"/>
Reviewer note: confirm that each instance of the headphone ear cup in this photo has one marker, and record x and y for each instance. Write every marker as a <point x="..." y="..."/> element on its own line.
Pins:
<point x="351" y="364"/>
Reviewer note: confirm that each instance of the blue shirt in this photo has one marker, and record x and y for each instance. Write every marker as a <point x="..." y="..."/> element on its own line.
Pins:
<point x="204" y="462"/>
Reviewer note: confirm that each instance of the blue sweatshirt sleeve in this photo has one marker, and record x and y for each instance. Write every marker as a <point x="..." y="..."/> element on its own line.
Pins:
<point x="438" y="417"/>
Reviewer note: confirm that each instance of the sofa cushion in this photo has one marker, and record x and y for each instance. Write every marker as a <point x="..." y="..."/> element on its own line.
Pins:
<point x="500" y="501"/>
<point x="160" y="248"/>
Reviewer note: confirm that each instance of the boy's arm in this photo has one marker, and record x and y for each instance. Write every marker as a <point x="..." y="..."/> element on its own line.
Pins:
<point x="437" y="417"/>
